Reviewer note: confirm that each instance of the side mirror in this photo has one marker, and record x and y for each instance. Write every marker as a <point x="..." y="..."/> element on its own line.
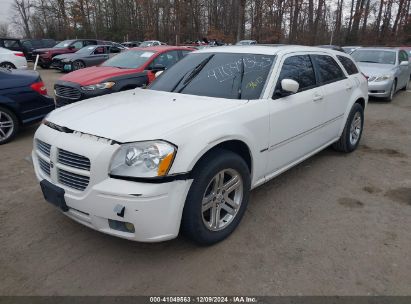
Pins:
<point x="158" y="73"/>
<point x="289" y="86"/>
<point x="404" y="63"/>
<point x="158" y="67"/>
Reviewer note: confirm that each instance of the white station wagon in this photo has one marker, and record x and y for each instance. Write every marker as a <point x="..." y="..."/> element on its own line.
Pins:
<point x="185" y="153"/>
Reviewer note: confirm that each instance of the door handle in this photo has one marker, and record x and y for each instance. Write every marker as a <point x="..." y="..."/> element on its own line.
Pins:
<point x="318" y="97"/>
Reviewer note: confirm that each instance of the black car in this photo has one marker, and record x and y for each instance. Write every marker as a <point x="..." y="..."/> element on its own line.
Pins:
<point x="29" y="45"/>
<point x="23" y="101"/>
<point x="26" y="45"/>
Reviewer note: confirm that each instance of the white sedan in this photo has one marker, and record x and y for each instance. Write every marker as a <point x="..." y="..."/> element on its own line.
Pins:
<point x="12" y="59"/>
<point x="184" y="154"/>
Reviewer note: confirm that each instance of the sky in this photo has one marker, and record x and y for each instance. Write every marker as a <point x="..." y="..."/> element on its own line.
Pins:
<point x="5" y="10"/>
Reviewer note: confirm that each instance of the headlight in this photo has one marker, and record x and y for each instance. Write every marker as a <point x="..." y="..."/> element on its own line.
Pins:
<point x="99" y="86"/>
<point x="143" y="159"/>
<point x="384" y="77"/>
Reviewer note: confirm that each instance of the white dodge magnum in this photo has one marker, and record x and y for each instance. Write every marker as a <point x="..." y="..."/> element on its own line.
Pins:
<point x="185" y="153"/>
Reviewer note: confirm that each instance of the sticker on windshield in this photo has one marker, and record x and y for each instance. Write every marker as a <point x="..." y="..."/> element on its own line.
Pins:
<point x="146" y="54"/>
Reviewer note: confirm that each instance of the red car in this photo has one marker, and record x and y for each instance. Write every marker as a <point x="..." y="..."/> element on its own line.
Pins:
<point x="133" y="68"/>
<point x="64" y="47"/>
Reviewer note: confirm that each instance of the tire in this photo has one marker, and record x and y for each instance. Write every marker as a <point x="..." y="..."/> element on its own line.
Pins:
<point x="346" y="143"/>
<point x="404" y="88"/>
<point x="9" y="125"/>
<point x="7" y="65"/>
<point x="197" y="223"/>
<point x="78" y="65"/>
<point x="392" y="91"/>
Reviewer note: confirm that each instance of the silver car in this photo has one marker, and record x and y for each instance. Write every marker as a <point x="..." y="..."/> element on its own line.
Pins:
<point x="387" y="70"/>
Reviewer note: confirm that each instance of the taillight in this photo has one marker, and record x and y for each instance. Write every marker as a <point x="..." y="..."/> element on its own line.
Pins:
<point x="39" y="87"/>
<point x="19" y="54"/>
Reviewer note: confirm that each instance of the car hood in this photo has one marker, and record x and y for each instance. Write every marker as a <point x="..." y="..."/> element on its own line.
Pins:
<point x="375" y="69"/>
<point x="138" y="114"/>
<point x="95" y="75"/>
<point x="68" y="56"/>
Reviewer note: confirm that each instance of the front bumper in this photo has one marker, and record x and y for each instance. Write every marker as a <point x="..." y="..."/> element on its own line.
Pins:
<point x="379" y="89"/>
<point x="154" y="209"/>
<point x="69" y="92"/>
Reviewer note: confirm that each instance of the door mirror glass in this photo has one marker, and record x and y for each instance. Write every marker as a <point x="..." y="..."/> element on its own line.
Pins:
<point x="158" y="73"/>
<point x="289" y="86"/>
<point x="404" y="63"/>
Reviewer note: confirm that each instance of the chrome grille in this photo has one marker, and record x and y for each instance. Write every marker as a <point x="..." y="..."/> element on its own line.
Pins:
<point x="44" y="166"/>
<point x="371" y="78"/>
<point x="67" y="92"/>
<point x="73" y="160"/>
<point x="43" y="147"/>
<point x="73" y="180"/>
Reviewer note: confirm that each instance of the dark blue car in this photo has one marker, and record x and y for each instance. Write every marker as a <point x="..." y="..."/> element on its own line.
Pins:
<point x="23" y="101"/>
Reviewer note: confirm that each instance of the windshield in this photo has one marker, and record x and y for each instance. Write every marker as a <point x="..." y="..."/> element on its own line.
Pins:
<point x="374" y="56"/>
<point x="222" y="75"/>
<point x="129" y="59"/>
<point x="86" y="50"/>
<point x="146" y="43"/>
<point x="63" y="44"/>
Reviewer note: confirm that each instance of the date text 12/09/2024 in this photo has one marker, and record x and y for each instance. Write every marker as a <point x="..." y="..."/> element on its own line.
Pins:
<point x="203" y="299"/>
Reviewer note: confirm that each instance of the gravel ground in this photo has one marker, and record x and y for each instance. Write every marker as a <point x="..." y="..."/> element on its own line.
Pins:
<point x="334" y="225"/>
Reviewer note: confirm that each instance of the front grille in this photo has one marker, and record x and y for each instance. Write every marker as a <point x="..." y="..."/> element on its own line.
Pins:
<point x="43" y="147"/>
<point x="67" y="92"/>
<point x="73" y="160"/>
<point x="371" y="78"/>
<point x="73" y="180"/>
<point x="67" y="165"/>
<point x="44" y="166"/>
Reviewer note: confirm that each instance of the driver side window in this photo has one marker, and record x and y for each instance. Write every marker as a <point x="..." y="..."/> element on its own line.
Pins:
<point x="300" y="69"/>
<point x="166" y="59"/>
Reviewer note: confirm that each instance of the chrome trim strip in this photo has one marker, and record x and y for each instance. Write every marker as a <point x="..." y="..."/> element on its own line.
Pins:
<point x="286" y="141"/>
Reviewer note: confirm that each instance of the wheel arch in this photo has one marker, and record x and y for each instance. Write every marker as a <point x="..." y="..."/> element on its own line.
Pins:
<point x="236" y="146"/>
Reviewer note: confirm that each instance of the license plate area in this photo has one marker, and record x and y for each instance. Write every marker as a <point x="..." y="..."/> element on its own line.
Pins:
<point x="54" y="195"/>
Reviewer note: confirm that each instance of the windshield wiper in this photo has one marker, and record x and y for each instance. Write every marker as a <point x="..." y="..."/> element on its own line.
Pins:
<point x="240" y="88"/>
<point x="368" y="61"/>
<point x="193" y="74"/>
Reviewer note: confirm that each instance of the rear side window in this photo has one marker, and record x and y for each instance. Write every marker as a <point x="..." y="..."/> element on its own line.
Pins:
<point x="328" y="69"/>
<point x="300" y="69"/>
<point x="348" y="65"/>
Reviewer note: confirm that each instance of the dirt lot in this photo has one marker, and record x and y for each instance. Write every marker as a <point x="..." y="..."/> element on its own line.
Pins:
<point x="335" y="224"/>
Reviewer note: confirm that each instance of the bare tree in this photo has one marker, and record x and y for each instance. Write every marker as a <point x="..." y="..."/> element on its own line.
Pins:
<point x="23" y="9"/>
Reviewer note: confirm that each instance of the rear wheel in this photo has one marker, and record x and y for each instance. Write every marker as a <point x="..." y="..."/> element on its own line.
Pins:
<point x="9" y="125"/>
<point x="217" y="199"/>
<point x="351" y="135"/>
<point x="7" y="65"/>
<point x="78" y="65"/>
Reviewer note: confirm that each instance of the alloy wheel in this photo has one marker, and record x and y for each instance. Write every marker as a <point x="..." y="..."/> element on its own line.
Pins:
<point x="222" y="199"/>
<point x="7" y="66"/>
<point x="6" y="126"/>
<point x="355" y="129"/>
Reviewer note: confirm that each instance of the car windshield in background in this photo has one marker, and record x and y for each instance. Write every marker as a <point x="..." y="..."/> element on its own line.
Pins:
<point x="129" y="59"/>
<point x="222" y="75"/>
<point x="86" y="50"/>
<point x="374" y="56"/>
<point x="63" y="44"/>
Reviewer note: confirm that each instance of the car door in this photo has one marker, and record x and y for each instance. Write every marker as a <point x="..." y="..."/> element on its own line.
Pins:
<point x="337" y="89"/>
<point x="295" y="120"/>
<point x="404" y="69"/>
<point x="98" y="56"/>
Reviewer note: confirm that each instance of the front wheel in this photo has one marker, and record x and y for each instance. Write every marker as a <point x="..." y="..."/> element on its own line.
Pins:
<point x="351" y="135"/>
<point x="392" y="91"/>
<point x="78" y="65"/>
<point x="218" y="197"/>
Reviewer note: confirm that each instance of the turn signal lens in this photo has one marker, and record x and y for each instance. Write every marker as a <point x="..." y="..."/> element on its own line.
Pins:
<point x="165" y="164"/>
